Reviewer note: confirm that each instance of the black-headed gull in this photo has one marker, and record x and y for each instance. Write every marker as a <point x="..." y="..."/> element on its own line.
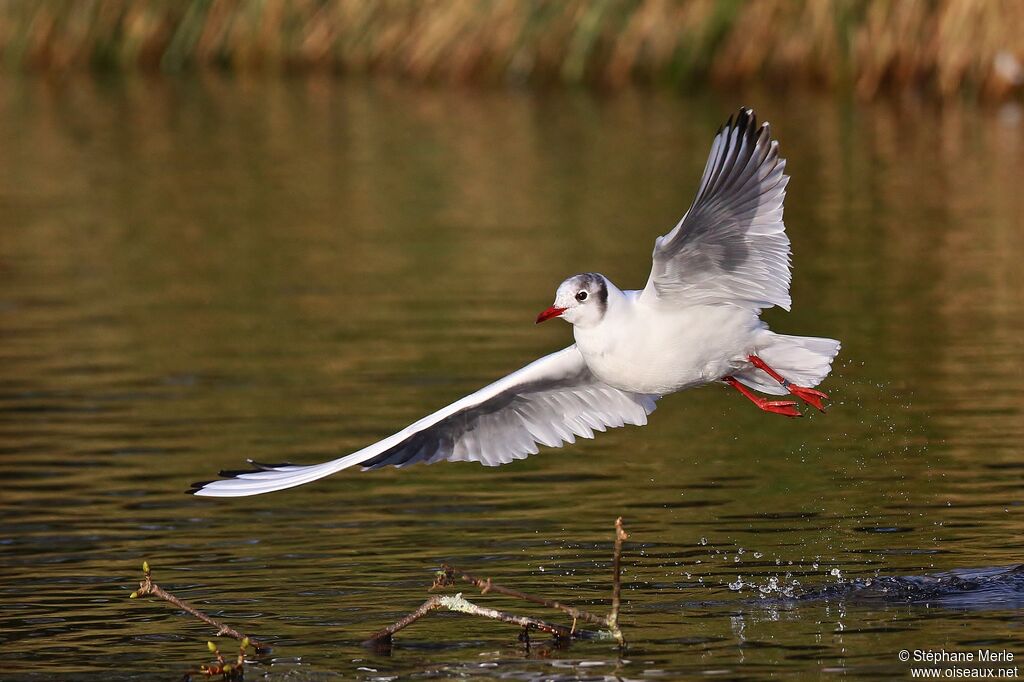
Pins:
<point x="695" y="322"/>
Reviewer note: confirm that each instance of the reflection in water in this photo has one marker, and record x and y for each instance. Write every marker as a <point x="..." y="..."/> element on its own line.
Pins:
<point x="195" y="272"/>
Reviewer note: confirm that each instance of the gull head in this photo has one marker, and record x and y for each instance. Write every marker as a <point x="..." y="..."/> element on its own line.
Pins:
<point x="580" y="300"/>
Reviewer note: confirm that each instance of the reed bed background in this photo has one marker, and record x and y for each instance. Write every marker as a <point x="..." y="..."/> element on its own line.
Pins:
<point x="953" y="48"/>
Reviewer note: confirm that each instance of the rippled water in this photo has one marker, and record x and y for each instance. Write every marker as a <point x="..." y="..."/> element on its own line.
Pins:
<point x="196" y="272"/>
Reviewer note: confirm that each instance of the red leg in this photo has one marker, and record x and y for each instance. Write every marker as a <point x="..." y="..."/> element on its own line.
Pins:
<point x="808" y="395"/>
<point x="786" y="407"/>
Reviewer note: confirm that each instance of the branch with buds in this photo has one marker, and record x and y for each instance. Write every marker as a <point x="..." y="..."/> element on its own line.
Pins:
<point x="149" y="588"/>
<point x="446" y="577"/>
<point x="228" y="672"/>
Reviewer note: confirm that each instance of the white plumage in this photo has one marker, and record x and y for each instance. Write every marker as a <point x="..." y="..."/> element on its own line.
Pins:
<point x="695" y="322"/>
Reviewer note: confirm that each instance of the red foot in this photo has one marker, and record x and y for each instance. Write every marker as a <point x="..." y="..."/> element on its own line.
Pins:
<point x="784" y="407"/>
<point x="809" y="396"/>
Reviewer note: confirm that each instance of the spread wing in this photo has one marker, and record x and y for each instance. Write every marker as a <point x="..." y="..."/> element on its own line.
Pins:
<point x="548" y="402"/>
<point x="731" y="246"/>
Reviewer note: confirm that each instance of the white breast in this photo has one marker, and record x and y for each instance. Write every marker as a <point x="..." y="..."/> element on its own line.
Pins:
<point x="646" y="350"/>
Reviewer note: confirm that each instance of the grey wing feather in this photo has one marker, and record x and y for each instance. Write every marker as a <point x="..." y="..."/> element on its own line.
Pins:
<point x="549" y="402"/>
<point x="510" y="424"/>
<point x="731" y="246"/>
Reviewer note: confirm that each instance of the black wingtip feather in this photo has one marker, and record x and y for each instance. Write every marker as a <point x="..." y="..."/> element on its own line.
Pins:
<point x="745" y="121"/>
<point x="256" y="466"/>
<point x="235" y="473"/>
<point x="260" y="466"/>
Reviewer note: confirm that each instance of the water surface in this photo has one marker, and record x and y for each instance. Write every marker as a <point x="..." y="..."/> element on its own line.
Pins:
<point x="199" y="271"/>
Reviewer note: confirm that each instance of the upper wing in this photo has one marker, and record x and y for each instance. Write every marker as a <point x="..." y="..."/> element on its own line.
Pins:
<point x="731" y="246"/>
<point x="550" y="401"/>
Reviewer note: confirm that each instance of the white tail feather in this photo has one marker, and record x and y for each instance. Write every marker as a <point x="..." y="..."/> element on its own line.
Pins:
<point x="802" y="360"/>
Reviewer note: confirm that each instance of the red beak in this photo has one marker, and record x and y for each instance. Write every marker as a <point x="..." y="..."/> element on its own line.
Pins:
<point x="549" y="313"/>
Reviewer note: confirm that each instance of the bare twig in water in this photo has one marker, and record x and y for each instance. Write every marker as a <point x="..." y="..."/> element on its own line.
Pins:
<point x="149" y="588"/>
<point x="456" y="603"/>
<point x="613" y="618"/>
<point x="460" y="604"/>
<point x="447" y="575"/>
<point x="383" y="637"/>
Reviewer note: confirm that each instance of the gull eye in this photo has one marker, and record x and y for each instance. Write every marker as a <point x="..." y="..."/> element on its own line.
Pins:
<point x="581" y="296"/>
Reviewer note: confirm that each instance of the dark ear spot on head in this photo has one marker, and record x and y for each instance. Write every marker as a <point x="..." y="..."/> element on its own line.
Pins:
<point x="596" y="283"/>
<point x="602" y="294"/>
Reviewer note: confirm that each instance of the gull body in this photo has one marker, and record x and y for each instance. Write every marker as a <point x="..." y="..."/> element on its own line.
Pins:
<point x="696" y="321"/>
<point x="642" y="348"/>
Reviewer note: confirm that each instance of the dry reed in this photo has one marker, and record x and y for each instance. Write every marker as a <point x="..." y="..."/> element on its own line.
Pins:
<point x="948" y="47"/>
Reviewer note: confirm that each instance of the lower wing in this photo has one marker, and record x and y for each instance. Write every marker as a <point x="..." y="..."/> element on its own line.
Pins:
<point x="549" y="402"/>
